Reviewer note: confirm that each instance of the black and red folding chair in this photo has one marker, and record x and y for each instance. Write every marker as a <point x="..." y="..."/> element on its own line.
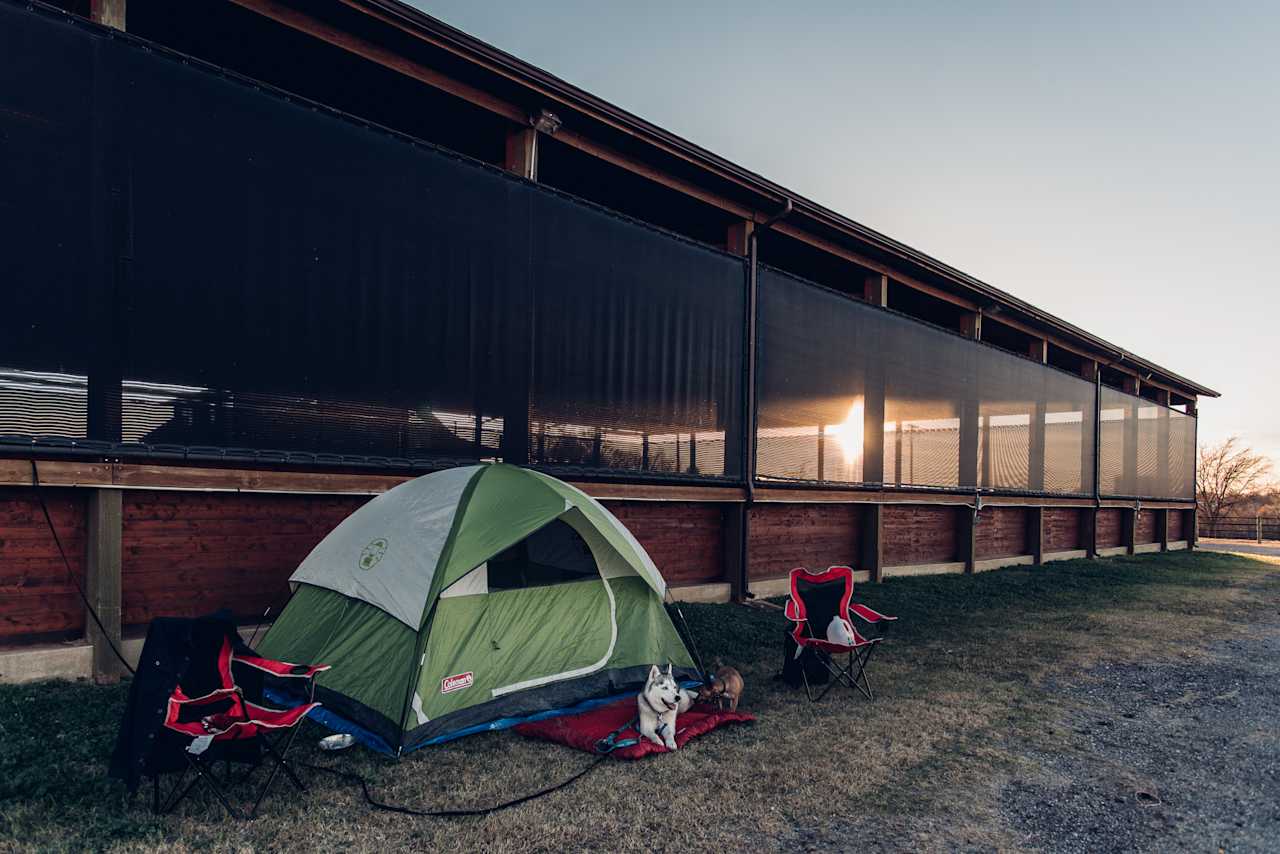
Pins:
<point x="817" y="598"/>
<point x="197" y="699"/>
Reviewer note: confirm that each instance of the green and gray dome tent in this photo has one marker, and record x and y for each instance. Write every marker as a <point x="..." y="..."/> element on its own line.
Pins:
<point x="471" y="598"/>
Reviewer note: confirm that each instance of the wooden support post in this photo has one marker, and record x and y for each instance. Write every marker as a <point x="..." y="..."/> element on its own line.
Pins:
<point x="522" y="153"/>
<point x="1089" y="531"/>
<point x="1035" y="534"/>
<point x="733" y="519"/>
<point x="1129" y="529"/>
<point x="971" y="325"/>
<point x="102" y="582"/>
<point x="1190" y="527"/>
<point x="873" y="540"/>
<point x="875" y="289"/>
<point x="108" y="12"/>
<point x="1039" y="350"/>
<point x="1162" y="528"/>
<point x="736" y="237"/>
<point x="966" y="537"/>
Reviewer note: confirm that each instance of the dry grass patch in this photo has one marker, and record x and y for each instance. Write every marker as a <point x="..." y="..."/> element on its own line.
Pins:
<point x="959" y="696"/>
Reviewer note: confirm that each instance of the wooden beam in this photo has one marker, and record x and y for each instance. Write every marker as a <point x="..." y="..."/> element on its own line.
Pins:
<point x="1089" y="370"/>
<point x="873" y="540"/>
<point x="110" y="13"/>
<point x="102" y="582"/>
<point x="1089" y="531"/>
<point x="966" y="537"/>
<point x="1129" y="529"/>
<point x="1035" y="534"/>
<point x="875" y="289"/>
<point x="304" y="23"/>
<point x="87" y="474"/>
<point x="791" y="230"/>
<point x="971" y="325"/>
<point x="522" y="153"/>
<point x="732" y="520"/>
<point x="64" y="473"/>
<point x="737" y="236"/>
<point x="1039" y="350"/>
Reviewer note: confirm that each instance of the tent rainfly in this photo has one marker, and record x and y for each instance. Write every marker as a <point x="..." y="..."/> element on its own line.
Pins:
<point x="471" y="599"/>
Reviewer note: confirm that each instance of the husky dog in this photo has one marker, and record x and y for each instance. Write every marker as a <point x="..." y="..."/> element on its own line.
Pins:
<point x="660" y="701"/>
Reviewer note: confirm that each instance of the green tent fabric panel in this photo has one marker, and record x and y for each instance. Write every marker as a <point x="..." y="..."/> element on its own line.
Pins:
<point x="503" y="506"/>
<point x="646" y="634"/>
<point x="511" y="636"/>
<point x="612" y="530"/>
<point x="321" y="626"/>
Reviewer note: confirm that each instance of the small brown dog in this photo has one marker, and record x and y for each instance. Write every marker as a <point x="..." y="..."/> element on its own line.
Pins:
<point x="725" y="689"/>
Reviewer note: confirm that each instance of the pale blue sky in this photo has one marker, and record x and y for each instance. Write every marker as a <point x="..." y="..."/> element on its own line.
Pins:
<point x="1114" y="163"/>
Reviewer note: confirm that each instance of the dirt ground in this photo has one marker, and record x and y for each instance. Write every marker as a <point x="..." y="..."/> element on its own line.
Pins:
<point x="1113" y="705"/>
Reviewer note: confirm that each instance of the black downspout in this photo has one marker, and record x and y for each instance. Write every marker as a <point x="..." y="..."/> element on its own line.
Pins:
<point x="749" y="393"/>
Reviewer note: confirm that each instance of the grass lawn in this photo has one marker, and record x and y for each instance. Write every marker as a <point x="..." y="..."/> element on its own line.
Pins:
<point x="965" y="702"/>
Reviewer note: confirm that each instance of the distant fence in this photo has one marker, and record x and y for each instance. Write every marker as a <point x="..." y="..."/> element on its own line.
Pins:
<point x="1242" y="528"/>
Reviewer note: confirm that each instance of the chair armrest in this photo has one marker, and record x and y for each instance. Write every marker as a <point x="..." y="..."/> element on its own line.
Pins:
<point x="282" y="669"/>
<point x="869" y="615"/>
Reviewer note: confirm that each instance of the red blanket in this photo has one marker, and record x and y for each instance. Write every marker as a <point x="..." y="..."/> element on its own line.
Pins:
<point x="585" y="729"/>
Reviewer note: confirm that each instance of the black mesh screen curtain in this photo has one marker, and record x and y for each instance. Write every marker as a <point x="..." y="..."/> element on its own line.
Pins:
<point x="637" y="346"/>
<point x="1147" y="450"/>
<point x="201" y="266"/>
<point x="196" y="268"/>
<point x="850" y="393"/>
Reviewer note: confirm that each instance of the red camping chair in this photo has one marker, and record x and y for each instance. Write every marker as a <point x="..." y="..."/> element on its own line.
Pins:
<point x="817" y="597"/>
<point x="210" y="716"/>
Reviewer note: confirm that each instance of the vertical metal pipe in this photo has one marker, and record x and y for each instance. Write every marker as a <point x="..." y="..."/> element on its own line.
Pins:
<point x="749" y="403"/>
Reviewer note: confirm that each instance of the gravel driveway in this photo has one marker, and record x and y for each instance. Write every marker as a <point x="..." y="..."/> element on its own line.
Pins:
<point x="1164" y="757"/>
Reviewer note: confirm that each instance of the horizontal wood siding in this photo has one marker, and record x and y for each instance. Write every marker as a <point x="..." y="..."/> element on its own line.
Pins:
<point x="683" y="538"/>
<point x="1001" y="532"/>
<point x="37" y="601"/>
<point x="185" y="554"/>
<point x="915" y="534"/>
<point x="784" y="536"/>
<point x="1146" y="528"/>
<point x="1109" y="528"/>
<point x="1061" y="529"/>
<point x="1175" y="524"/>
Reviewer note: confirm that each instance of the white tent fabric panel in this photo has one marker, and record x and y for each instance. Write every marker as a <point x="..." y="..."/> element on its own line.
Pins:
<point x="401" y="534"/>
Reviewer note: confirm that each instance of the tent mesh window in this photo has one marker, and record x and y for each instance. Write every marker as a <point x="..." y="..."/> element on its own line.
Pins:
<point x="554" y="554"/>
<point x="850" y="393"/>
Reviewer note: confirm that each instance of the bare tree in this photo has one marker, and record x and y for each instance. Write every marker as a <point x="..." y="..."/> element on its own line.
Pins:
<point x="1228" y="474"/>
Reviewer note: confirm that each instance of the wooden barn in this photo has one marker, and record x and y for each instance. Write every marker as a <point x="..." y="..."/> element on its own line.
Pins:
<point x="265" y="259"/>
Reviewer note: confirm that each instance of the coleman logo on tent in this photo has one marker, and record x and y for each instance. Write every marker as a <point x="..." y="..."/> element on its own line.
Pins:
<point x="457" y="683"/>
<point x="373" y="553"/>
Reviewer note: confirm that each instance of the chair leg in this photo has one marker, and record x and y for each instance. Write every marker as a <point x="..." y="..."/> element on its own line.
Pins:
<point x="211" y="782"/>
<point x="281" y="763"/>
